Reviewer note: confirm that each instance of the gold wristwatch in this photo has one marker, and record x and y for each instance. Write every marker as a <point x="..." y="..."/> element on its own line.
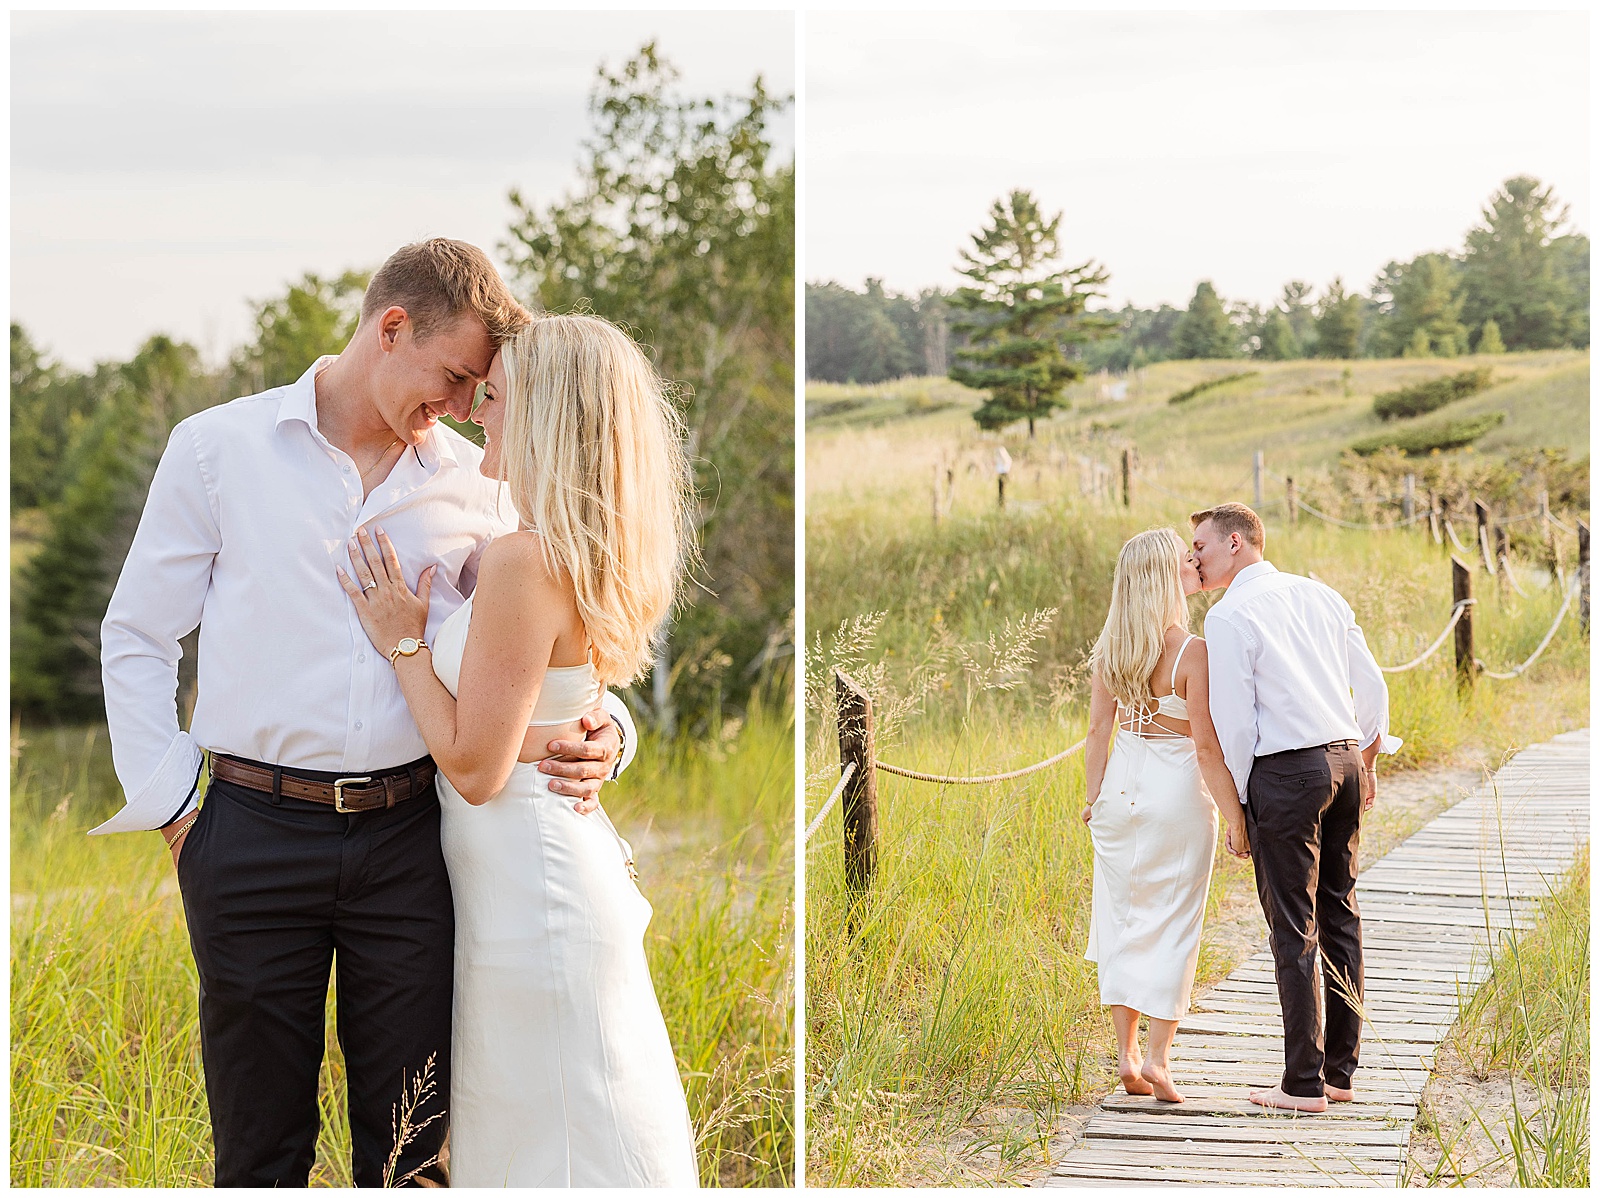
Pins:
<point x="409" y="646"/>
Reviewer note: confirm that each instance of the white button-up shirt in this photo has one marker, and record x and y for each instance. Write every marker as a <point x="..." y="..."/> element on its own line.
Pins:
<point x="250" y="511"/>
<point x="1290" y="669"/>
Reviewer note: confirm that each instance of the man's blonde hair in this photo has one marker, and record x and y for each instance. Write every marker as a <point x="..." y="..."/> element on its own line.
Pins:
<point x="595" y="460"/>
<point x="1146" y="600"/>
<point x="1233" y="517"/>
<point x="437" y="280"/>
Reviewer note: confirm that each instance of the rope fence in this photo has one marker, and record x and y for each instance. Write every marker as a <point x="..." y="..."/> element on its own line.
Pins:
<point x="1455" y="618"/>
<point x="859" y="763"/>
<point x="946" y="780"/>
<point x="811" y="828"/>
<point x="1516" y="671"/>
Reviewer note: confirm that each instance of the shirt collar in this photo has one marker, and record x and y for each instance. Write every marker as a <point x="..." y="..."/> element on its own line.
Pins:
<point x="1254" y="572"/>
<point x="299" y="402"/>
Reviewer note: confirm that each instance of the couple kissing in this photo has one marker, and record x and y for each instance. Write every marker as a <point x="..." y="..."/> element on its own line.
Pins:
<point x="1274" y="721"/>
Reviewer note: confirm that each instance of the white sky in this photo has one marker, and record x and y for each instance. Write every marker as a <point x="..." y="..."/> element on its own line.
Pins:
<point x="167" y="168"/>
<point x="1247" y="148"/>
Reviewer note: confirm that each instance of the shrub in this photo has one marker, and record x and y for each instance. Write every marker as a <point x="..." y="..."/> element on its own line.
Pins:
<point x="1422" y="398"/>
<point x="1182" y="396"/>
<point x="1424" y="439"/>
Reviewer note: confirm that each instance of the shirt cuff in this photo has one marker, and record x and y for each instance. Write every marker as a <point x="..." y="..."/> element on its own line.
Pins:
<point x="1387" y="743"/>
<point x="170" y="793"/>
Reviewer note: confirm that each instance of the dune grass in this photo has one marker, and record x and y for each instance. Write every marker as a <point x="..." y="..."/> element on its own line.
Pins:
<point x="1529" y="1023"/>
<point x="958" y="989"/>
<point x="106" y="1080"/>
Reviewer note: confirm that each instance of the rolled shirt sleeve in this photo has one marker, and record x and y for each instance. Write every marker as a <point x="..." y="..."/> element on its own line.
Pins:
<point x="1233" y="695"/>
<point x="1369" y="690"/>
<point x="158" y="600"/>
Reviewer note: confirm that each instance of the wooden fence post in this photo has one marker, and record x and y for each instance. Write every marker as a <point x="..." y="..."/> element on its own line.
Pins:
<point x="936" y="512"/>
<point x="1408" y="497"/>
<point x="1434" y="530"/>
<point x="1484" y="546"/>
<point x="1130" y="460"/>
<point x="1502" y="551"/>
<point x="1292" y="500"/>
<point x="1461" y="589"/>
<point x="1583" y="575"/>
<point x="860" y="798"/>
<point x="1260" y="467"/>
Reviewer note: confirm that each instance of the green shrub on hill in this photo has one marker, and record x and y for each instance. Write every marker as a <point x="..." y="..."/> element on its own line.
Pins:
<point x="1421" y="398"/>
<point x="1183" y="396"/>
<point x="1424" y="439"/>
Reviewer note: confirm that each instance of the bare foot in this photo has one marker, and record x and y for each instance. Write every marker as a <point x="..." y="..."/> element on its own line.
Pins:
<point x="1335" y="1094"/>
<point x="1278" y="1100"/>
<point x="1160" y="1082"/>
<point x="1132" y="1081"/>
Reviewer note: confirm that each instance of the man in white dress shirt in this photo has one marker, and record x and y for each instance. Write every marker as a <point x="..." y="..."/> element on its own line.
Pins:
<point x="1302" y="711"/>
<point x="319" y="837"/>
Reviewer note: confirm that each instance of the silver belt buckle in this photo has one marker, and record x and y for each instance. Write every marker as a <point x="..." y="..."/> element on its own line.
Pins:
<point x="338" y="794"/>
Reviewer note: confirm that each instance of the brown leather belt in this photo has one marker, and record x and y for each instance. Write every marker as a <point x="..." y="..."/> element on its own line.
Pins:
<point x="361" y="792"/>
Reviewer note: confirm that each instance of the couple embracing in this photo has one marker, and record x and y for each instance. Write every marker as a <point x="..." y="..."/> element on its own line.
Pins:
<point x="1275" y="720"/>
<point x="405" y="645"/>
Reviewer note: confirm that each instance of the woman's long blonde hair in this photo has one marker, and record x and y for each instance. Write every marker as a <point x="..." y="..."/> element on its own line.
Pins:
<point x="594" y="459"/>
<point x="1146" y="600"/>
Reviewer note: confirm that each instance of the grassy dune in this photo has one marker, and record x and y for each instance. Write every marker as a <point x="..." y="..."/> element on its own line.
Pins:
<point x="958" y="1010"/>
<point x="106" y="1080"/>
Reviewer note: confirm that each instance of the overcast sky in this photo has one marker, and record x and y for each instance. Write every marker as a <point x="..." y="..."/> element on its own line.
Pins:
<point x="1247" y="148"/>
<point x="167" y="168"/>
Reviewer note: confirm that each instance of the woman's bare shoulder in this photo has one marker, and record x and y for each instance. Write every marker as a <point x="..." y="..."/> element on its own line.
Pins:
<point x="518" y="566"/>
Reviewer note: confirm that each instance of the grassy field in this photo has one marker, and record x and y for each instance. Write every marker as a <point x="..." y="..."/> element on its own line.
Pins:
<point x="1519" y="1062"/>
<point x="106" y="1079"/>
<point x="958" y="1009"/>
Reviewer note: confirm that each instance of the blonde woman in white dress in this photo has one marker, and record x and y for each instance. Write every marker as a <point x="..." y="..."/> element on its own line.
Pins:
<point x="1154" y="793"/>
<point x="562" y="1073"/>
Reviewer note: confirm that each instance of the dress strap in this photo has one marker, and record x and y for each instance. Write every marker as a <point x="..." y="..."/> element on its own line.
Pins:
<point x="1172" y="685"/>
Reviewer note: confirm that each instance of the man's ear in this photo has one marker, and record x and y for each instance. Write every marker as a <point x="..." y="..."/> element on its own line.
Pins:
<point x="394" y="319"/>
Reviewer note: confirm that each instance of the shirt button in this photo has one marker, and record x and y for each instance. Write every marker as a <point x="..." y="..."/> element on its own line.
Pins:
<point x="358" y="725"/>
<point x="362" y="658"/>
<point x="347" y="470"/>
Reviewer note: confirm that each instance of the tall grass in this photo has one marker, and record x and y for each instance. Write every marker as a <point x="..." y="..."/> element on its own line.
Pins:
<point x="958" y="989"/>
<point x="1530" y="1022"/>
<point x="106" y="1080"/>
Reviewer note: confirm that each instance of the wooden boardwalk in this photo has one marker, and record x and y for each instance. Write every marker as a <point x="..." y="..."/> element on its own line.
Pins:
<point x="1426" y="911"/>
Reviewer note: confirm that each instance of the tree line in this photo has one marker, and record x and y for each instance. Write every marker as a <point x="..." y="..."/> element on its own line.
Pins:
<point x="1520" y="281"/>
<point x="682" y="229"/>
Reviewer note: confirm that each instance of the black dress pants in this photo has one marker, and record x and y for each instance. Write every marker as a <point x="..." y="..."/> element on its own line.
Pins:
<point x="1304" y="820"/>
<point x="276" y="891"/>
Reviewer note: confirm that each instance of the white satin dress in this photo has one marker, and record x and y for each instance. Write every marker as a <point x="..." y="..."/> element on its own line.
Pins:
<point x="1154" y="829"/>
<point x="561" y="1070"/>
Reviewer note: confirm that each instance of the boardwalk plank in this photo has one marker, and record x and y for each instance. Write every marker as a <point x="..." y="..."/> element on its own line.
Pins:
<point x="1432" y="911"/>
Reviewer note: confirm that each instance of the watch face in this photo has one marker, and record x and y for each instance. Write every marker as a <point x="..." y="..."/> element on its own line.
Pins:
<point x="407" y="646"/>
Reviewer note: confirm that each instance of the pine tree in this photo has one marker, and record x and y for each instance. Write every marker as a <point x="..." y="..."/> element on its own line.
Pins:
<point x="1513" y="273"/>
<point x="1021" y="313"/>
<point x="1205" y="330"/>
<point x="1278" y="342"/>
<point x="1339" y="319"/>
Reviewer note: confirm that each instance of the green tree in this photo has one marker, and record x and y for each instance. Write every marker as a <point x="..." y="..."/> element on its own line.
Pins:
<point x="1417" y="309"/>
<point x="1205" y="330"/>
<point x="1512" y="272"/>
<point x="47" y="404"/>
<point x="63" y="589"/>
<point x="1297" y="305"/>
<point x="682" y="228"/>
<point x="1022" y="313"/>
<point x="1278" y="342"/>
<point x="1489" y="341"/>
<point x="315" y="316"/>
<point x="1339" y="321"/>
